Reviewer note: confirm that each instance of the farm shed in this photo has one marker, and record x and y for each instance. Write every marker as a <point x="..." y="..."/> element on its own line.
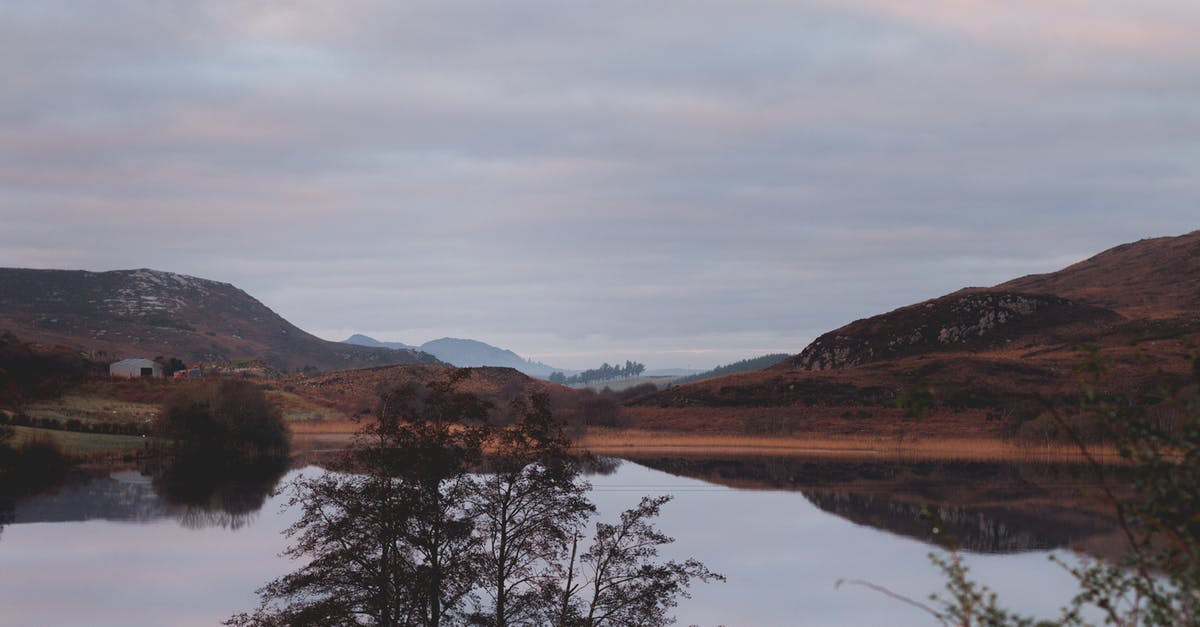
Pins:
<point x="133" y="368"/>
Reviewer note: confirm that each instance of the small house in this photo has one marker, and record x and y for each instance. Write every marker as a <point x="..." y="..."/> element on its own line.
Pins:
<point x="134" y="368"/>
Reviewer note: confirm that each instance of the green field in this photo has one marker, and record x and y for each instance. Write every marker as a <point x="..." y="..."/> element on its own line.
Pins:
<point x="92" y="409"/>
<point x="75" y="443"/>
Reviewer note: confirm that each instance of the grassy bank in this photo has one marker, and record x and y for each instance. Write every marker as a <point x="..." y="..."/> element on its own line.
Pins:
<point x="77" y="444"/>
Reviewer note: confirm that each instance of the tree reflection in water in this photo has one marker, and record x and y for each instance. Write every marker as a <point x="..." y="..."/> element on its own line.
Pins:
<point x="25" y="472"/>
<point x="215" y="491"/>
<point x="228" y="447"/>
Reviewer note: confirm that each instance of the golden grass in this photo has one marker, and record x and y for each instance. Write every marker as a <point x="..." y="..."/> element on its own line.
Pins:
<point x="617" y="442"/>
<point x="344" y="426"/>
<point x="622" y="441"/>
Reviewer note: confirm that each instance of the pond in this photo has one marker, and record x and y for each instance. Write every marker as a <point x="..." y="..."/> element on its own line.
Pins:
<point x="113" y="550"/>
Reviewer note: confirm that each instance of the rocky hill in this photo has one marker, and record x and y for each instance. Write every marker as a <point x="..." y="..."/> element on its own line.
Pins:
<point x="994" y="356"/>
<point x="964" y="322"/>
<point x="148" y="313"/>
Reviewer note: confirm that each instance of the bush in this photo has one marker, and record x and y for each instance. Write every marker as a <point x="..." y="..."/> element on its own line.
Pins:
<point x="232" y="416"/>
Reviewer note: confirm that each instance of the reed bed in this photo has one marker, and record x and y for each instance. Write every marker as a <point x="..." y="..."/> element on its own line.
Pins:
<point x="616" y="442"/>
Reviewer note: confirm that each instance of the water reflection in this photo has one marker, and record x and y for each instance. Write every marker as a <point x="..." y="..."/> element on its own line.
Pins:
<point x="781" y="553"/>
<point x="25" y="476"/>
<point x="207" y="491"/>
<point x="988" y="507"/>
<point x="197" y="491"/>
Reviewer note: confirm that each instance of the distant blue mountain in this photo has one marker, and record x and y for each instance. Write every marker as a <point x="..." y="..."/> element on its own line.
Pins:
<point x="359" y="339"/>
<point x="466" y="354"/>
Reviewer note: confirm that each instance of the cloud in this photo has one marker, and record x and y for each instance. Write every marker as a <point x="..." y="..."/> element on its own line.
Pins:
<point x="577" y="176"/>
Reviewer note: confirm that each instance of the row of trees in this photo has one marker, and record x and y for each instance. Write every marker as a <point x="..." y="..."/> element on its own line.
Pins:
<point x="437" y="517"/>
<point x="605" y="372"/>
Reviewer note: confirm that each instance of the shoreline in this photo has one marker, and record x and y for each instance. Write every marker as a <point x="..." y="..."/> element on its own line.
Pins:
<point x="644" y="442"/>
<point x="612" y="442"/>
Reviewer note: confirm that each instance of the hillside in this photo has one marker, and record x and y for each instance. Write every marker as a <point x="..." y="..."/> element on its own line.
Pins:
<point x="1150" y="279"/>
<point x="745" y="365"/>
<point x="993" y="357"/>
<point x="356" y="392"/>
<point x="148" y="313"/>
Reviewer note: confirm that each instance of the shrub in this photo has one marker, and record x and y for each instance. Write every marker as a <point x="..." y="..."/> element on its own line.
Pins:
<point x="231" y="416"/>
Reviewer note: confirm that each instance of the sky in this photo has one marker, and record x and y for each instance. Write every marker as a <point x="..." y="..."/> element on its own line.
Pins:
<point x="682" y="183"/>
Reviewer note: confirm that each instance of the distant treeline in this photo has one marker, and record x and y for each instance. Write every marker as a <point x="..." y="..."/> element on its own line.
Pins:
<point x="745" y="365"/>
<point x="605" y="372"/>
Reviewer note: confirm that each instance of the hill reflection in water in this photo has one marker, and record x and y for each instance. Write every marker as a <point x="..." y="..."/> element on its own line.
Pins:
<point x="782" y="554"/>
<point x="986" y="507"/>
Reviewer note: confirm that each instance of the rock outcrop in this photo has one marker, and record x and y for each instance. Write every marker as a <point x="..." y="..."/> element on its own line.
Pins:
<point x="960" y="321"/>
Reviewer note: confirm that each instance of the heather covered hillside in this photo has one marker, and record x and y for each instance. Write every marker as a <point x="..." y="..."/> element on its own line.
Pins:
<point x="148" y="313"/>
<point x="991" y="358"/>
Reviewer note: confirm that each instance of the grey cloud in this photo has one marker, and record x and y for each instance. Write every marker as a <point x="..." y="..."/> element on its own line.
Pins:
<point x="595" y="174"/>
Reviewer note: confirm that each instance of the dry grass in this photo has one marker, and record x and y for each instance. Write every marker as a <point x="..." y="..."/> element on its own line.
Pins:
<point x="344" y="426"/>
<point x="297" y="409"/>
<point x="616" y="442"/>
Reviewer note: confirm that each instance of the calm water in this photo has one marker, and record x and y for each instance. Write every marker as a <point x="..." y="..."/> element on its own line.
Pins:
<point x="111" y="551"/>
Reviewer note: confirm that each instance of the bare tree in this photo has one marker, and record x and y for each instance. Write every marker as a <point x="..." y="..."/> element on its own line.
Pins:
<point x="435" y="518"/>
<point x="530" y="503"/>
<point x="625" y="584"/>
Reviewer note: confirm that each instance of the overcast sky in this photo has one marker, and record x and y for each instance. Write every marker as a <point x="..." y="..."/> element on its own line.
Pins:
<point x="680" y="183"/>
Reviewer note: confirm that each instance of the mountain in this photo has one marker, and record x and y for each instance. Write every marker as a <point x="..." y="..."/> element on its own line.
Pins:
<point x="466" y="354"/>
<point x="148" y="313"/>
<point x="472" y="353"/>
<point x="995" y="356"/>
<point x="359" y="339"/>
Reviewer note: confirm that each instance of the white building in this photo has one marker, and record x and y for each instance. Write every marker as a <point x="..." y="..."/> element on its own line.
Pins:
<point x="133" y="368"/>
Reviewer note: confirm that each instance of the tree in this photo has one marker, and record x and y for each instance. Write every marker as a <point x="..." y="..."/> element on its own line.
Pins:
<point x="530" y="505"/>
<point x="233" y="418"/>
<point x="1157" y="580"/>
<point x="624" y="582"/>
<point x="388" y="536"/>
<point x="435" y="517"/>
